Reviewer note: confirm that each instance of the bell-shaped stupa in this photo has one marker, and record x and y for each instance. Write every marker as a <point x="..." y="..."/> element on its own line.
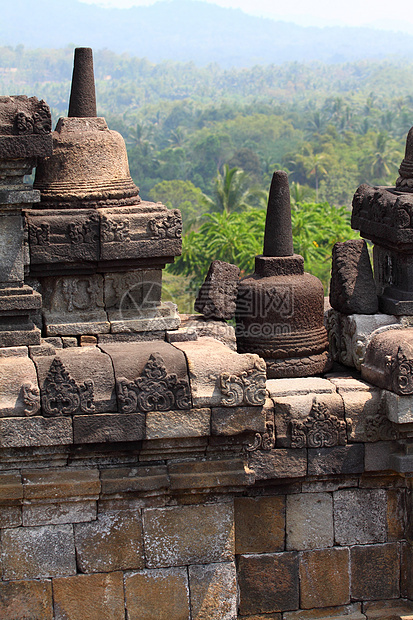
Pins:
<point x="89" y="166"/>
<point x="280" y="309"/>
<point x="96" y="249"/>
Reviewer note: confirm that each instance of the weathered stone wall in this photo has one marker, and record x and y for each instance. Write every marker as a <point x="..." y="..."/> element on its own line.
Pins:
<point x="289" y="508"/>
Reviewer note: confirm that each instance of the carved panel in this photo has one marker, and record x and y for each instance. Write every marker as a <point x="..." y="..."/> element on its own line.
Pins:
<point x="248" y="388"/>
<point x="154" y="390"/>
<point x="166" y="227"/>
<point x="61" y="395"/>
<point x="401" y="369"/>
<point x="31" y="398"/>
<point x="320" y="429"/>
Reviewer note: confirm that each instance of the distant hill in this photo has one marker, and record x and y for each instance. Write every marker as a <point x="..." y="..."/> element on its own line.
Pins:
<point x="184" y="30"/>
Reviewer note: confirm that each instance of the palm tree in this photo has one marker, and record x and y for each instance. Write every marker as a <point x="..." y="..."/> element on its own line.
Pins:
<point x="231" y="192"/>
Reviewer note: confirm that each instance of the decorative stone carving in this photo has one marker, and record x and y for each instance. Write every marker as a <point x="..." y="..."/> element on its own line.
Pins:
<point x="19" y="394"/>
<point x="267" y="440"/>
<point x="350" y="334"/>
<point x="62" y="396"/>
<point x="154" y="390"/>
<point x="76" y="381"/>
<point x="114" y="231"/>
<point x="31" y="398"/>
<point x="212" y="383"/>
<point x="169" y="227"/>
<point x="389" y="361"/>
<point x="150" y="376"/>
<point x="247" y="388"/>
<point x="320" y="429"/>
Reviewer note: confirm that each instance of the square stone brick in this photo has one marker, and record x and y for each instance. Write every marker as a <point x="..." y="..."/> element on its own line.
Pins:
<point x="63" y="512"/>
<point x="259" y="524"/>
<point x="10" y="516"/>
<point x="208" y="473"/>
<point x="178" y="423"/>
<point x="396" y="515"/>
<point x="406" y="573"/>
<point x="342" y="612"/>
<point x="157" y="593"/>
<point x="191" y="534"/>
<point x="36" y="431"/>
<point x="20" y="600"/>
<point x="11" y="488"/>
<point x="309" y="521"/>
<point x="112" y="542"/>
<point x="37" y="552"/>
<point x="377" y="455"/>
<point x="279" y="463"/>
<point x="234" y="420"/>
<point x="89" y="597"/>
<point x="268" y="582"/>
<point x="213" y="591"/>
<point x="338" y="460"/>
<point x="61" y="483"/>
<point x="324" y="577"/>
<point x="360" y="516"/>
<point x="104" y="427"/>
<point x="134" y="479"/>
<point x="375" y="572"/>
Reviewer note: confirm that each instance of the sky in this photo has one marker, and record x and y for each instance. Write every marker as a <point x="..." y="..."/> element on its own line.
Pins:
<point x="373" y="13"/>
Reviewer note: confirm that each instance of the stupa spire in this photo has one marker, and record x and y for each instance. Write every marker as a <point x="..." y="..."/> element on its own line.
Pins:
<point x="82" y="101"/>
<point x="278" y="238"/>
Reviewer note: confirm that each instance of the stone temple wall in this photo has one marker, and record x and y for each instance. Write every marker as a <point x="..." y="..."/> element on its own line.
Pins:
<point x="257" y="500"/>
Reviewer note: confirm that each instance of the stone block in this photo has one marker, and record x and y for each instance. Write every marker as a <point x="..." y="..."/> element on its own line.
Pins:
<point x="11" y="487"/>
<point x="122" y="480"/>
<point x="387" y="357"/>
<point x="38" y="552"/>
<point x="399" y="409"/>
<point x="178" y="423"/>
<point x="360" y="516"/>
<point x="20" y="395"/>
<point x="235" y="420"/>
<point x="112" y="542"/>
<point x="324" y="577"/>
<point x="61" y="483"/>
<point x="299" y="386"/>
<point x="182" y="334"/>
<point x="352" y="286"/>
<point x="209" y="328"/>
<point x="158" y="593"/>
<point x="85" y="374"/>
<point x="338" y="460"/>
<point x="10" y="516"/>
<point x="262" y="617"/>
<point x="388" y="610"/>
<point x="375" y="571"/>
<point x="89" y="597"/>
<point x="309" y="521"/>
<point x="221" y="377"/>
<point x="350" y="335"/>
<point x="217" y="297"/>
<point x="179" y="535"/>
<point x="111" y="427"/>
<point x="406" y="573"/>
<point x="208" y="474"/>
<point x="62" y="512"/>
<point x="377" y="455"/>
<point x="278" y="463"/>
<point x="345" y="612"/>
<point x="396" y="515"/>
<point x="268" y="582"/>
<point x="71" y="302"/>
<point x="364" y="411"/>
<point x="21" y="600"/>
<point x="36" y="431"/>
<point x="313" y="420"/>
<point x="213" y="591"/>
<point x="148" y="377"/>
<point x="259" y="524"/>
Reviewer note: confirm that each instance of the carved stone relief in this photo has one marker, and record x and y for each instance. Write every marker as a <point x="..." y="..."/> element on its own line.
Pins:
<point x="246" y="388"/>
<point x="61" y="395"/>
<point x="320" y="429"/>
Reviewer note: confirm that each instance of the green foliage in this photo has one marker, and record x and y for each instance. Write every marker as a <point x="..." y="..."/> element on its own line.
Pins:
<point x="238" y="236"/>
<point x="182" y="195"/>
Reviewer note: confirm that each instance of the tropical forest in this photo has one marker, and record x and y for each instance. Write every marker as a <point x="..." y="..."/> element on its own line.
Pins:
<point x="207" y="140"/>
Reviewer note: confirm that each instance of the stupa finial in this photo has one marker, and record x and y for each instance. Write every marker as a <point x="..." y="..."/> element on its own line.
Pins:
<point x="278" y="238"/>
<point x="82" y="101"/>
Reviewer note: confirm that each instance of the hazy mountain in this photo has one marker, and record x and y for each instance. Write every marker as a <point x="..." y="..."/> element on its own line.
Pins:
<point x="184" y="30"/>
